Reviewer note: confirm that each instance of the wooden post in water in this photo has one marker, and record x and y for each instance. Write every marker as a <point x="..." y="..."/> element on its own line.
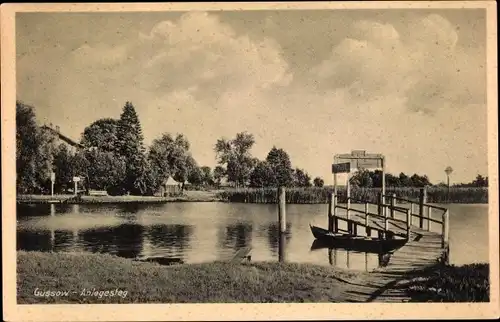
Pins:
<point x="282" y="222"/>
<point x="445" y="229"/>
<point x="408" y="223"/>
<point x="429" y="217"/>
<point x="412" y="209"/>
<point x="422" y="200"/>
<point x="349" y="224"/>
<point x="379" y="204"/>
<point x="367" y="215"/>
<point x="331" y="206"/>
<point x="385" y="214"/>
<point x="393" y="203"/>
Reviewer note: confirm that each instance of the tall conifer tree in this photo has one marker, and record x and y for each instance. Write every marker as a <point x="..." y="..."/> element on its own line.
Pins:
<point x="130" y="143"/>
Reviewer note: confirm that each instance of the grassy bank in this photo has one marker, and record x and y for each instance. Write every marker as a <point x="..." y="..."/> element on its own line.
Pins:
<point x="152" y="283"/>
<point x="451" y="284"/>
<point x="320" y="195"/>
<point x="220" y="282"/>
<point x="188" y="196"/>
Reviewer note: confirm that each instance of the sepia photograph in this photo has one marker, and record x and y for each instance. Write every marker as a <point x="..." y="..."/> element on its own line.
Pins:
<point x="328" y="154"/>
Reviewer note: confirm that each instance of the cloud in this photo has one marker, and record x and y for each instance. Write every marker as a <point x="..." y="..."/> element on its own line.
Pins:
<point x="199" y="49"/>
<point x="100" y="55"/>
<point x="417" y="97"/>
<point x="426" y="68"/>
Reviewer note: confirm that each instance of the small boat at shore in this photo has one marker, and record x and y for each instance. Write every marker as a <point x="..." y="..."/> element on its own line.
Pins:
<point x="161" y="260"/>
<point x="327" y="239"/>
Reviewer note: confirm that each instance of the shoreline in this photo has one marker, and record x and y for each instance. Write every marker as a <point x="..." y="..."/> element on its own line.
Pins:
<point x="71" y="199"/>
<point x="206" y="197"/>
<point x="225" y="282"/>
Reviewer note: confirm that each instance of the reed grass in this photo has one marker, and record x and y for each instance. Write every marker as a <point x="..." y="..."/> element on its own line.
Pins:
<point x="320" y="195"/>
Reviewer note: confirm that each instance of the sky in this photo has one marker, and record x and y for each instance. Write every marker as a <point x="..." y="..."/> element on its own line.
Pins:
<point x="406" y="83"/>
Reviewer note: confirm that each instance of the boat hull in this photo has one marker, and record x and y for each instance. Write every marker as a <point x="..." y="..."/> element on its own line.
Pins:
<point x="326" y="239"/>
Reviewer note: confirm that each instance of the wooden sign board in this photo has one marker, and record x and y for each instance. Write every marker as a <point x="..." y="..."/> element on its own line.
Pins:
<point x="360" y="159"/>
<point x="52" y="176"/>
<point x="369" y="163"/>
<point x="341" y="167"/>
<point x="76" y="179"/>
<point x="358" y="153"/>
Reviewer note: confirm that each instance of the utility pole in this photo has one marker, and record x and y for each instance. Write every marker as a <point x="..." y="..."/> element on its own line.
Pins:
<point x="448" y="171"/>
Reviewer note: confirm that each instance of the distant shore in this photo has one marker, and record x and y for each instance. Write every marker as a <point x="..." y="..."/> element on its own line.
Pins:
<point x="86" y="277"/>
<point x="309" y="195"/>
<point x="188" y="196"/>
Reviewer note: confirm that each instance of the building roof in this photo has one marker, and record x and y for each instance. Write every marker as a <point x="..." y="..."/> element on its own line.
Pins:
<point x="63" y="137"/>
<point x="171" y="182"/>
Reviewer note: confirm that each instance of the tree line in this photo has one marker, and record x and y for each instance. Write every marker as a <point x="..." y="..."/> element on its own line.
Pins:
<point x="114" y="158"/>
<point x="373" y="179"/>
<point x="237" y="164"/>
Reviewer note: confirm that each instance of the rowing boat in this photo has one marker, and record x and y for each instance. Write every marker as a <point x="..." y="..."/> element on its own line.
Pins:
<point x="327" y="239"/>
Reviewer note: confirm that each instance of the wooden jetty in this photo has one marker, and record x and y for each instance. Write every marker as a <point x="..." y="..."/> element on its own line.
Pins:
<point x="425" y="226"/>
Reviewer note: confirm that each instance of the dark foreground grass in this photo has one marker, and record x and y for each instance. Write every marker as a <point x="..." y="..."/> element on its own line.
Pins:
<point x="221" y="282"/>
<point x="468" y="283"/>
<point x="152" y="283"/>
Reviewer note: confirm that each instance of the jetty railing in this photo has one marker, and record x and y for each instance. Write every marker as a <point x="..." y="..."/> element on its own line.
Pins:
<point x="386" y="213"/>
<point x="424" y="215"/>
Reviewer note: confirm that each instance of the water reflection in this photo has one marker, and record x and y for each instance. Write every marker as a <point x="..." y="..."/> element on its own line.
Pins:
<point x="236" y="236"/>
<point x="174" y="239"/>
<point x="198" y="232"/>
<point x="34" y="240"/>
<point x="344" y="257"/>
<point x="275" y="238"/>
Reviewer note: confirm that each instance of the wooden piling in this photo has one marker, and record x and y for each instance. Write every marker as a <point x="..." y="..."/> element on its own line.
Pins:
<point x="379" y="204"/>
<point x="349" y="224"/>
<point x="282" y="208"/>
<point x="367" y="218"/>
<point x="429" y="216"/>
<point x="393" y="204"/>
<point x="282" y="222"/>
<point x="331" y="206"/>
<point x="412" y="210"/>
<point x="445" y="229"/>
<point x="422" y="200"/>
<point x="408" y="223"/>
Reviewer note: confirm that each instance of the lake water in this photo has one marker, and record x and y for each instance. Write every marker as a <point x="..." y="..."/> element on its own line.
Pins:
<point x="204" y="232"/>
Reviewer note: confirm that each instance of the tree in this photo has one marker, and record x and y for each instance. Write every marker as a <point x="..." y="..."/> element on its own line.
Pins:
<point x="235" y="154"/>
<point x="170" y="156"/>
<point x="219" y="173"/>
<point x="318" y="182"/>
<point x="160" y="157"/>
<point x="195" y="176"/>
<point x="419" y="181"/>
<point x="102" y="134"/>
<point x="64" y="168"/>
<point x="281" y="166"/>
<point x="376" y="177"/>
<point x="34" y="152"/>
<point x="262" y="175"/>
<point x="301" y="178"/>
<point x="131" y="147"/>
<point x="404" y="180"/>
<point x="480" y="181"/>
<point x="362" y="178"/>
<point x="392" y="180"/>
<point x="103" y="170"/>
<point x="207" y="176"/>
<point x="185" y="168"/>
